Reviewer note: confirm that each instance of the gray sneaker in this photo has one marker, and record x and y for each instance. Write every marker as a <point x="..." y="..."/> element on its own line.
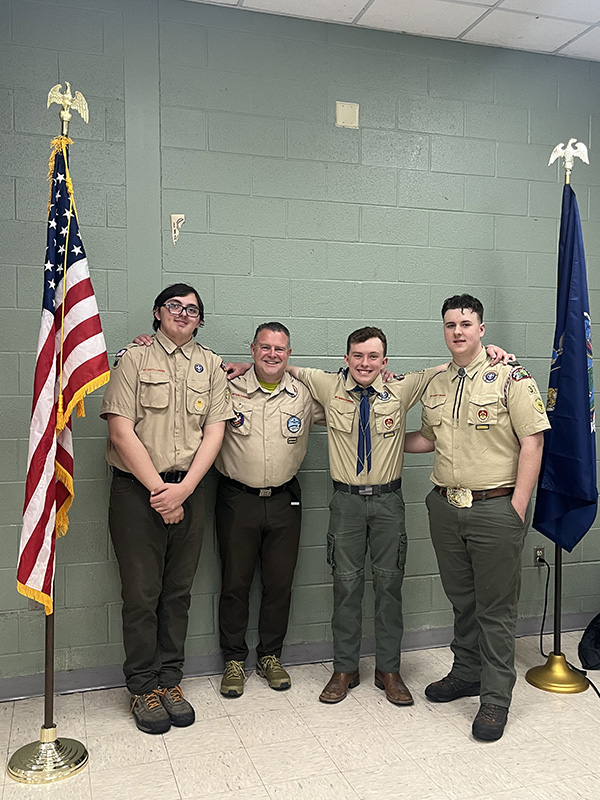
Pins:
<point x="269" y="667"/>
<point x="232" y="682"/>
<point x="149" y="713"/>
<point x="180" y="711"/>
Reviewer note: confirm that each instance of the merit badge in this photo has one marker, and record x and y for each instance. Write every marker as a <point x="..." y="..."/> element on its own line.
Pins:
<point x="238" y="421"/>
<point x="384" y="396"/>
<point x="199" y="404"/>
<point x="388" y="422"/>
<point x="538" y="404"/>
<point x="482" y="414"/>
<point x="198" y="367"/>
<point x="294" y="424"/>
<point x="490" y="377"/>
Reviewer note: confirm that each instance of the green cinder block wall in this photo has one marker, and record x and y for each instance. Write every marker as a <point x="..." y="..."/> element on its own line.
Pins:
<point x="227" y="116"/>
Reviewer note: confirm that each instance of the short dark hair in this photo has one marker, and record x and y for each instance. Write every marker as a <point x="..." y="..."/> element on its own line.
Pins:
<point x="462" y="301"/>
<point x="363" y="335"/>
<point x="275" y="327"/>
<point x="177" y="290"/>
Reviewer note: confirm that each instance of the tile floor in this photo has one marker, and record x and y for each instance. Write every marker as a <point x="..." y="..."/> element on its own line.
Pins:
<point x="288" y="746"/>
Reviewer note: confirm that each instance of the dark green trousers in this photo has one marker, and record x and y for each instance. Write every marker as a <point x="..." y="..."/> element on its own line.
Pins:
<point x="157" y="563"/>
<point x="251" y="530"/>
<point x="479" y="555"/>
<point x="355" y="524"/>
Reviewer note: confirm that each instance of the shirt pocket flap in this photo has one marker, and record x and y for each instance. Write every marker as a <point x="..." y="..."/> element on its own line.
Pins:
<point x="154" y="390"/>
<point x="340" y="414"/>
<point x="433" y="407"/>
<point x="388" y="416"/>
<point x="483" y="409"/>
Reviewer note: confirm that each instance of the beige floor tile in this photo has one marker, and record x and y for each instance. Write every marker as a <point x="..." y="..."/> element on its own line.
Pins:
<point x="207" y="702"/>
<point x="301" y="758"/>
<point x="139" y="782"/>
<point x="394" y="718"/>
<point x="582" y="787"/>
<point x="257" y="697"/>
<point x="513" y="794"/>
<point x="26" y="727"/>
<point x="204" y="736"/>
<point x="307" y="684"/>
<point x="524" y="763"/>
<point x="427" y="737"/>
<point x="6" y="714"/>
<point x="214" y="773"/>
<point x="104" y="698"/>
<point x="466" y="774"/>
<point x="370" y="747"/>
<point x="269" y="727"/>
<point x="255" y="793"/>
<point x="324" y="718"/>
<point x="321" y="787"/>
<point x="550" y="710"/>
<point x="75" y="788"/>
<point x="113" y="751"/>
<point x="109" y="720"/>
<point x="403" y="780"/>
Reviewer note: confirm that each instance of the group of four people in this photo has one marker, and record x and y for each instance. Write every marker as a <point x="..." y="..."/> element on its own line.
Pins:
<point x="172" y="412"/>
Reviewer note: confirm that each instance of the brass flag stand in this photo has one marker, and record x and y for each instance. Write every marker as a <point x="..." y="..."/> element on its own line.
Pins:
<point x="556" y="675"/>
<point x="51" y="759"/>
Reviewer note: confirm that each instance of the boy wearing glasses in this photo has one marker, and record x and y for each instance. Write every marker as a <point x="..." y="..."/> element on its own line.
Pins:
<point x="166" y="408"/>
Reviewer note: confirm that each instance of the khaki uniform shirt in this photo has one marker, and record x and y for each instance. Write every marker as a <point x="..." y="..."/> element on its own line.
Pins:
<point x="387" y="421"/>
<point x="265" y="443"/>
<point x="477" y="423"/>
<point x="170" y="393"/>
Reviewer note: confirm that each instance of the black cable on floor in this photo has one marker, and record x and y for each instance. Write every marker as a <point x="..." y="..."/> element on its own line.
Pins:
<point x="545" y="655"/>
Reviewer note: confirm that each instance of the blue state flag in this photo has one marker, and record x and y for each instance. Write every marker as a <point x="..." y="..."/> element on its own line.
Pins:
<point x="567" y="495"/>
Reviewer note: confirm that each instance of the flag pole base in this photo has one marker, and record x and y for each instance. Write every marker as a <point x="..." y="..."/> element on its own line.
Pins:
<point x="557" y="676"/>
<point x="48" y="761"/>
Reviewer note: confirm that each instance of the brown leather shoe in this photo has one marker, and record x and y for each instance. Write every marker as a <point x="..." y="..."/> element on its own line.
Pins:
<point x="337" y="688"/>
<point x="395" y="688"/>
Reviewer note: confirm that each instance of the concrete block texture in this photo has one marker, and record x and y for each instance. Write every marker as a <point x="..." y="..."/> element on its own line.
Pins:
<point x="228" y="116"/>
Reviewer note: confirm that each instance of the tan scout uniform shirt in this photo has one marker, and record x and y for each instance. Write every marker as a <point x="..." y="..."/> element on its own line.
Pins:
<point x="266" y="442"/>
<point x="170" y="393"/>
<point x="389" y="406"/>
<point x="477" y="427"/>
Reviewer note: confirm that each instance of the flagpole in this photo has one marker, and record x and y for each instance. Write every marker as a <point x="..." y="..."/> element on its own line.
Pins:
<point x="556" y="675"/>
<point x="50" y="759"/>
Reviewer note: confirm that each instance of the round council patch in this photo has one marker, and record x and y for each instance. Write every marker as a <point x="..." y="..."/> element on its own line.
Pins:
<point x="490" y="377"/>
<point x="238" y="421"/>
<point x="482" y="414"/>
<point x="294" y="424"/>
<point x="198" y="367"/>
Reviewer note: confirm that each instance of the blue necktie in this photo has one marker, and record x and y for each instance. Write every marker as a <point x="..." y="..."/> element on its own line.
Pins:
<point x="364" y="430"/>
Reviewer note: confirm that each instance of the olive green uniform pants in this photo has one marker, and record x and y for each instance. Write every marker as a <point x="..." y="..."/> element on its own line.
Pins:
<point x="479" y="555"/>
<point x="357" y="523"/>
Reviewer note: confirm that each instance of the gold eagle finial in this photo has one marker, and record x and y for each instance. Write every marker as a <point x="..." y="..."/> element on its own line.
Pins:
<point x="68" y="102"/>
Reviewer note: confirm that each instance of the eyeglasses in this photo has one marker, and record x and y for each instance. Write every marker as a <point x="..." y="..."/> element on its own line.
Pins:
<point x="176" y="309"/>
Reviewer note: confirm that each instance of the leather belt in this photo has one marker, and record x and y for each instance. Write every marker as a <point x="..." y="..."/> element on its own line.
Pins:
<point x="486" y="494"/>
<point x="172" y="476"/>
<point x="267" y="491"/>
<point x="368" y="491"/>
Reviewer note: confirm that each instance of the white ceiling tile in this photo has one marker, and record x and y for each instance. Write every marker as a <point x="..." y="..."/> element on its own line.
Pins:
<point x="332" y="10"/>
<point x="588" y="46"/>
<point x="425" y="18"/>
<point x="578" y="10"/>
<point x="523" y="31"/>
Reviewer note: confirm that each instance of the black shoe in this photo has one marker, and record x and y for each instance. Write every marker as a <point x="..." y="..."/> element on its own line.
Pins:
<point x="489" y="724"/>
<point x="451" y="688"/>
<point x="149" y="713"/>
<point x="177" y="707"/>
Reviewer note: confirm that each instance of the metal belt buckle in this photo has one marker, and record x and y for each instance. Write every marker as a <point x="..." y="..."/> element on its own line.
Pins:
<point x="459" y="497"/>
<point x="365" y="490"/>
<point x="264" y="492"/>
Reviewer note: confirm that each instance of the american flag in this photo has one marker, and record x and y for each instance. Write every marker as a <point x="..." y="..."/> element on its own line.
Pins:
<point x="71" y="361"/>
